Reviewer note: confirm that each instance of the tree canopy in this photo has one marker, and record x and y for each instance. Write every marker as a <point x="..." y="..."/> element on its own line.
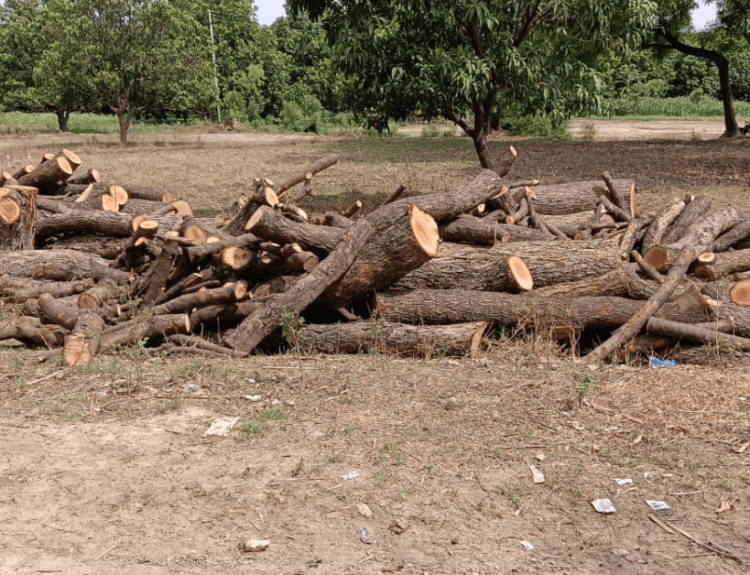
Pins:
<point x="458" y="58"/>
<point x="127" y="56"/>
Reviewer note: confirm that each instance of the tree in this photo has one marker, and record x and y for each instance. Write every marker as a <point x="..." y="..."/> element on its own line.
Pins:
<point x="457" y="58"/>
<point x="130" y="56"/>
<point x="672" y="27"/>
<point x="734" y="15"/>
<point x="18" y="53"/>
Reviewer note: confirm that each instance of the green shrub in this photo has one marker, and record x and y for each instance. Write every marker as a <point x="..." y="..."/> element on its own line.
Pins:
<point x="307" y="115"/>
<point x="541" y="125"/>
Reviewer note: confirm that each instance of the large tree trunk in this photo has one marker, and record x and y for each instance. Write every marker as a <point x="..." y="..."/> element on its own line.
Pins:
<point x="731" y="129"/>
<point x="434" y="307"/>
<point x="63" y="115"/>
<point x="485" y="268"/>
<point x="61" y="265"/>
<point x="123" y="118"/>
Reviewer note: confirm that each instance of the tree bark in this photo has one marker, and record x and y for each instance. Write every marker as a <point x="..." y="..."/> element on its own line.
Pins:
<point x="660" y="223"/>
<point x="695" y="333"/>
<point x="58" y="265"/>
<point x="485" y="268"/>
<point x="151" y="327"/>
<point x="269" y="224"/>
<point x="262" y="322"/>
<point x="731" y="237"/>
<point x="48" y="176"/>
<point x="623" y="281"/>
<point x="571" y="198"/>
<point x="85" y="221"/>
<point x="82" y="343"/>
<point x="695" y="211"/>
<point x="31" y="332"/>
<point x="410" y="241"/>
<point x="20" y="289"/>
<point x="712" y="266"/>
<point x="17" y="210"/>
<point x="226" y="294"/>
<point x="700" y="237"/>
<point x="438" y="307"/>
<point x="406" y="340"/>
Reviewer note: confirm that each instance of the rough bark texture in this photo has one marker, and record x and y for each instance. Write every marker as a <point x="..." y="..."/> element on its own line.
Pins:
<point x="60" y="265"/>
<point x="485" y="268"/>
<point x="623" y="281"/>
<point x="393" y="338"/>
<point x="737" y="234"/>
<point x="560" y="199"/>
<point x="48" y="176"/>
<point x="409" y="242"/>
<point x="226" y="294"/>
<point x="83" y="342"/>
<point x="270" y="224"/>
<point x="660" y="223"/>
<point x="297" y="178"/>
<point x="21" y="289"/>
<point x="435" y="307"/>
<point x="444" y="206"/>
<point x="262" y="322"/>
<point x="722" y="264"/>
<point x="151" y="327"/>
<point x="700" y="237"/>
<point x="85" y="221"/>
<point x="696" y="333"/>
<point x="17" y="210"/>
<point x="692" y="213"/>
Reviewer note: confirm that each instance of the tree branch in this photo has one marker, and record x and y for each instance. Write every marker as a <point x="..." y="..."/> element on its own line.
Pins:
<point x="451" y="117"/>
<point x="675" y="43"/>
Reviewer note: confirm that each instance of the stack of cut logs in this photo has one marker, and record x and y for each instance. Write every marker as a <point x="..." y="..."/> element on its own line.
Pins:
<point x="95" y="266"/>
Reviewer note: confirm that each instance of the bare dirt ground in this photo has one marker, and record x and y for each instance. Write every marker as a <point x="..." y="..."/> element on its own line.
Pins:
<point x="107" y="469"/>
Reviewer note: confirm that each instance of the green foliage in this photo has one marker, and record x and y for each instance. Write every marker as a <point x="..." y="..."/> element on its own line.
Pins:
<point x="306" y="116"/>
<point x="128" y="56"/>
<point x="458" y="59"/>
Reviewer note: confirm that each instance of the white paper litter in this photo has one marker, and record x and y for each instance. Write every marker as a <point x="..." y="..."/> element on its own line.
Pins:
<point x="603" y="506"/>
<point x="537" y="474"/>
<point x="626" y="481"/>
<point x="526" y="545"/>
<point x="657" y="505"/>
<point x="222" y="426"/>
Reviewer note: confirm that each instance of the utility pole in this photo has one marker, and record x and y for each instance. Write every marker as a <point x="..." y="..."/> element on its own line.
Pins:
<point x="213" y="52"/>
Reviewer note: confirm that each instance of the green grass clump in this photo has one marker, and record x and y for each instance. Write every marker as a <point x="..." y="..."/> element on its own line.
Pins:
<point x="659" y="108"/>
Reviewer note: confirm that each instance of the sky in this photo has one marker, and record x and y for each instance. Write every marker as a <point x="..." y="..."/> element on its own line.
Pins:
<point x="269" y="10"/>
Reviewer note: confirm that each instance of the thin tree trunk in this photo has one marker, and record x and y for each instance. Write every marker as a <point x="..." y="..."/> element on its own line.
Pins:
<point x="123" y="117"/>
<point x="63" y="116"/>
<point x="731" y="129"/>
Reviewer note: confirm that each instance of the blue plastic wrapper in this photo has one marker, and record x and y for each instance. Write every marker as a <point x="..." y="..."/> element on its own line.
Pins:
<point x="656" y="362"/>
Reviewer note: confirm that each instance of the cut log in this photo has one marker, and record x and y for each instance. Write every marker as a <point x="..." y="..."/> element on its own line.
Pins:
<point x="269" y="224"/>
<point x="711" y="266"/>
<point x="647" y="267"/>
<point x="740" y="292"/>
<point x="394" y="196"/>
<point x="560" y="199"/>
<point x="205" y="251"/>
<point x="623" y="281"/>
<point x="698" y="334"/>
<point x="443" y="206"/>
<point x="73" y="160"/>
<point x="48" y="176"/>
<point x="98" y="271"/>
<point x="700" y="238"/>
<point x="485" y="268"/>
<point x="264" y="196"/>
<point x="336" y="220"/>
<point x="158" y="276"/>
<point x="58" y="265"/>
<point x="20" y="289"/>
<point x="226" y="294"/>
<point x="95" y="297"/>
<point x="353" y="209"/>
<point x="221" y="316"/>
<point x="467" y="228"/>
<point x="630" y="328"/>
<point x="82" y="343"/>
<point x="262" y="322"/>
<point x="410" y="241"/>
<point x="84" y="221"/>
<point x="31" y="332"/>
<point x="614" y="192"/>
<point x="59" y="313"/>
<point x="296" y="262"/>
<point x="24" y="171"/>
<point x="297" y="178"/>
<point x="155" y="194"/>
<point x="738" y="233"/>
<point x="660" y="223"/>
<point x="143" y="326"/>
<point x="504" y="163"/>
<point x="693" y="212"/>
<point x="405" y="340"/>
<point x="619" y="214"/>
<point x="91" y="177"/>
<point x="439" y="307"/>
<point x="17" y="209"/>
